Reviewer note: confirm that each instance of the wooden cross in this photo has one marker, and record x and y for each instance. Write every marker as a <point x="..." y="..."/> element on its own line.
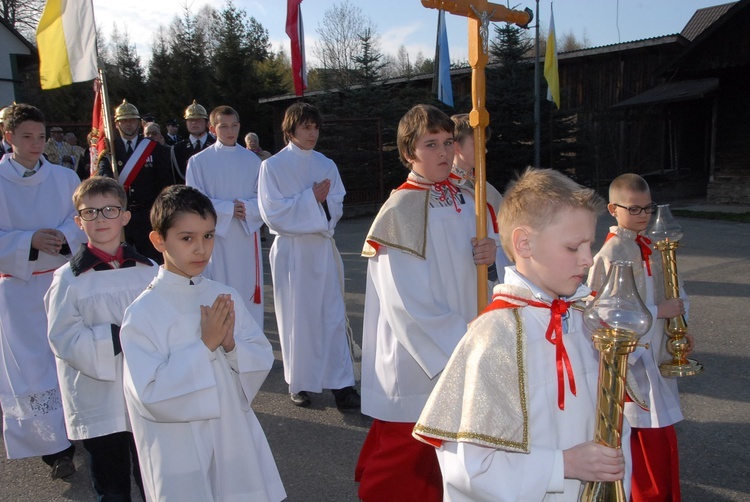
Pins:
<point x="480" y="14"/>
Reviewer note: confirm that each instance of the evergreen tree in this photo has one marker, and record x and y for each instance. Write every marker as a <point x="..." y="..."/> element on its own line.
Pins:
<point x="190" y="64"/>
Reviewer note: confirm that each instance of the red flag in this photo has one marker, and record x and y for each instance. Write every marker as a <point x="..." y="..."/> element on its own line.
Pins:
<point x="297" y="36"/>
<point x="97" y="138"/>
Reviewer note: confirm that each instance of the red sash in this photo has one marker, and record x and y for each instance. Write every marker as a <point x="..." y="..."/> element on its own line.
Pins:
<point x="136" y="162"/>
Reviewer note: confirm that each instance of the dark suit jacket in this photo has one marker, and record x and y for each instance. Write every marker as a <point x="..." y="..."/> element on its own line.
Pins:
<point x="181" y="153"/>
<point x="155" y="174"/>
<point x="169" y="142"/>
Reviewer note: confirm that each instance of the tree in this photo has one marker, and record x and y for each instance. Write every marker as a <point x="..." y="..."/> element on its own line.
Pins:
<point x="125" y="76"/>
<point x="339" y="43"/>
<point x="368" y="62"/>
<point x="23" y="15"/>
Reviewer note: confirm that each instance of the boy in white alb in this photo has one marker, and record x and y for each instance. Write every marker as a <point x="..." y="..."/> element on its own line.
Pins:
<point x="514" y="412"/>
<point x="37" y="232"/>
<point x="228" y="174"/>
<point x="85" y="305"/>
<point x="656" y="470"/>
<point x="192" y="371"/>
<point x="301" y="199"/>
<point x="421" y="293"/>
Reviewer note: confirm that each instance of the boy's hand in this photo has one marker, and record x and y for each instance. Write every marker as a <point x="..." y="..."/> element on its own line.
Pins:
<point x="216" y="321"/>
<point x="48" y="240"/>
<point x="592" y="461"/>
<point x="228" y="342"/>
<point x="484" y="251"/>
<point x="670" y="308"/>
<point x="239" y="209"/>
<point x="320" y="190"/>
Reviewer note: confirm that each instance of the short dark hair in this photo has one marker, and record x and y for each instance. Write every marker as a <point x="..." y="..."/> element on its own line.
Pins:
<point x="20" y="113"/>
<point x="222" y="110"/>
<point x="100" y="185"/>
<point x="177" y="199"/>
<point x="299" y="113"/>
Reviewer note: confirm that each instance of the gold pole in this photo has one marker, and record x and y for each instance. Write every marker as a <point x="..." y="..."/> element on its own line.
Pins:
<point x="677" y="327"/>
<point x="614" y="346"/>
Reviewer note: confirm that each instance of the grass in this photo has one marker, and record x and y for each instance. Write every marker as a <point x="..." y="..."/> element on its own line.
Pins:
<point x="713" y="215"/>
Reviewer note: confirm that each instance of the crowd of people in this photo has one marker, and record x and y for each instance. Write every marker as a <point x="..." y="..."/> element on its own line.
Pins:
<point x="131" y="314"/>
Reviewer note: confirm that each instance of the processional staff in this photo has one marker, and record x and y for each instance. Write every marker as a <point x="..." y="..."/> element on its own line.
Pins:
<point x="480" y="14"/>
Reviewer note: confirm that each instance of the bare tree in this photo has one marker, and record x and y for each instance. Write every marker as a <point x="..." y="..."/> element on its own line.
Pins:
<point x="23" y="15"/>
<point x="339" y="42"/>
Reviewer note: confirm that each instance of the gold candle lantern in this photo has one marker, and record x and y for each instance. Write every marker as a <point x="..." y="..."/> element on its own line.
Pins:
<point x="666" y="233"/>
<point x="617" y="319"/>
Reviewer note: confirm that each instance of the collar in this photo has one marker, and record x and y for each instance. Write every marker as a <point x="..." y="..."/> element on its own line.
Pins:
<point x="171" y="278"/>
<point x="515" y="278"/>
<point x="203" y="138"/>
<point x="21" y="169"/>
<point x="86" y="259"/>
<point x="464" y="175"/>
<point x="297" y="150"/>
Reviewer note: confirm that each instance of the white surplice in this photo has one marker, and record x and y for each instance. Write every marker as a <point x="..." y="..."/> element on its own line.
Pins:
<point x="306" y="268"/>
<point x="225" y="173"/>
<point x="81" y="310"/>
<point x="196" y="434"/>
<point x="33" y="421"/>
<point x="472" y="472"/>
<point x="416" y="311"/>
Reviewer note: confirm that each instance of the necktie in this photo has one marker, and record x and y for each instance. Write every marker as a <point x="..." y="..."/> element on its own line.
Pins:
<point x="28" y="172"/>
<point x="197" y="145"/>
<point x="130" y="148"/>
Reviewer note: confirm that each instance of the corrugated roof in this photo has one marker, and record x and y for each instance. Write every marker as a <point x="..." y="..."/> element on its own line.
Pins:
<point x="702" y="19"/>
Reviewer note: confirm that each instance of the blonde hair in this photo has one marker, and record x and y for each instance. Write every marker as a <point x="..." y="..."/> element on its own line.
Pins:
<point x="416" y="122"/>
<point x="628" y="182"/>
<point x="464" y="130"/>
<point x="537" y="197"/>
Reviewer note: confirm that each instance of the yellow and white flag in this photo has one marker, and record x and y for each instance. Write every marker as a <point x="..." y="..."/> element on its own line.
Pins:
<point x="550" y="64"/>
<point x="66" y="38"/>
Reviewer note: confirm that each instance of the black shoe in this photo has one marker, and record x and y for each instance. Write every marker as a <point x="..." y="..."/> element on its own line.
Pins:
<point x="347" y="398"/>
<point x="62" y="468"/>
<point x="301" y="399"/>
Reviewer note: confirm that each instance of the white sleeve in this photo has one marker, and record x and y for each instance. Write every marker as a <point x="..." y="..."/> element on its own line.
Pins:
<point x="224" y="209"/>
<point x="88" y="349"/>
<point x="403" y="284"/>
<point x="477" y="473"/>
<point x="252" y="357"/>
<point x="177" y="386"/>
<point x="297" y="214"/>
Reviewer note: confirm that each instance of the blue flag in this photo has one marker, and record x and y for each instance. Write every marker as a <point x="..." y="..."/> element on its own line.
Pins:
<point x="443" y="63"/>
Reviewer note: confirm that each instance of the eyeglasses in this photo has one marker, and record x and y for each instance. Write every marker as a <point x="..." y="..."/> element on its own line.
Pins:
<point x="636" y="210"/>
<point x="92" y="213"/>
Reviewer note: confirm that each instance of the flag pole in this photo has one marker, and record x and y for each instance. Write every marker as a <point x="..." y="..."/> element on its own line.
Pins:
<point x="109" y="129"/>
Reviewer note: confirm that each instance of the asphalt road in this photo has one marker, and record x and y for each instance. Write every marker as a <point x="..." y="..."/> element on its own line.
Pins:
<point x="316" y="448"/>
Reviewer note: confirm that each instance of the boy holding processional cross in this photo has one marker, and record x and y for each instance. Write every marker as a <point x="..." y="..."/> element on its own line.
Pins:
<point x="421" y="293"/>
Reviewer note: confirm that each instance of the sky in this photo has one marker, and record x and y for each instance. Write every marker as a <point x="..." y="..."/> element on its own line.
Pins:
<point x="408" y="23"/>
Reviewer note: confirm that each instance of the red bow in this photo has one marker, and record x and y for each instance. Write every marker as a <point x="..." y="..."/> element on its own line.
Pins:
<point x="645" y="244"/>
<point x="442" y="186"/>
<point x="554" y="336"/>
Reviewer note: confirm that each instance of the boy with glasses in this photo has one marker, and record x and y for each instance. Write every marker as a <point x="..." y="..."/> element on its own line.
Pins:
<point x="656" y="473"/>
<point x="85" y="305"/>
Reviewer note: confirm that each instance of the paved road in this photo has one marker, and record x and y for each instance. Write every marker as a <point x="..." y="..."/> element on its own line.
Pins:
<point x="316" y="448"/>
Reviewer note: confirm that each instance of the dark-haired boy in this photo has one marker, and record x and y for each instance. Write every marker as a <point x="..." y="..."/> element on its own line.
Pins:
<point x="301" y="199"/>
<point x="228" y="174"/>
<point x="85" y="305"/>
<point x="37" y="231"/>
<point x="191" y="371"/>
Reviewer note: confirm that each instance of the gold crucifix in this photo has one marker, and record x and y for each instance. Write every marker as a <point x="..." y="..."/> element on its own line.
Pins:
<point x="480" y="14"/>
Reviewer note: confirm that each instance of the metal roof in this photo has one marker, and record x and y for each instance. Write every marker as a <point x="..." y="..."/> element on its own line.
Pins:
<point x="702" y="19"/>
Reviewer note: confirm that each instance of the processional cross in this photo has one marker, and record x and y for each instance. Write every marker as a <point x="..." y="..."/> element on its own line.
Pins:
<point x="480" y="14"/>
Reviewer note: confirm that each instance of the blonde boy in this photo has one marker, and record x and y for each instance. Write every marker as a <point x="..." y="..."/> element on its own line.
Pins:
<point x="654" y="410"/>
<point x="227" y="174"/>
<point x="421" y="293"/>
<point x="192" y="371"/>
<point x="85" y="305"/>
<point x="513" y="414"/>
